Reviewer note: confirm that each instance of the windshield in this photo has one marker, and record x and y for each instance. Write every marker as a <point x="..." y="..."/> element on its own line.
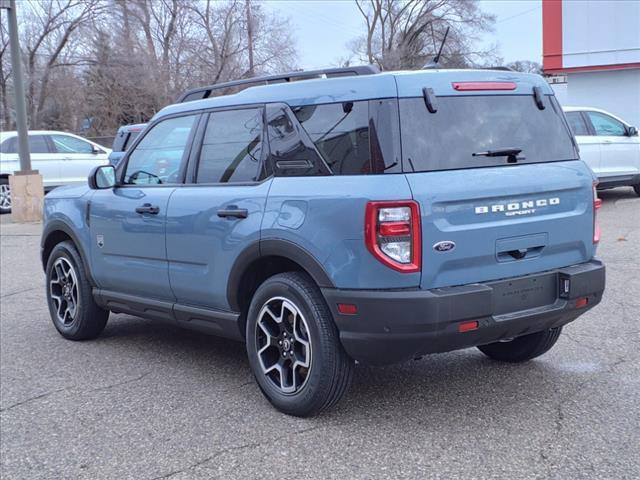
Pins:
<point x="490" y="126"/>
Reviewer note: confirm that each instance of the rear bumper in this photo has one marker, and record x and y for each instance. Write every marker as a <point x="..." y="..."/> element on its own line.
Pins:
<point x="396" y="325"/>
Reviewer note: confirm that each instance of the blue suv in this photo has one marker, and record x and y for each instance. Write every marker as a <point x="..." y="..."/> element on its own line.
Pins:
<point x="358" y="217"/>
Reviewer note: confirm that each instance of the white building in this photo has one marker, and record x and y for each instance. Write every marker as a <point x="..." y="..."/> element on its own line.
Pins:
<point x="596" y="44"/>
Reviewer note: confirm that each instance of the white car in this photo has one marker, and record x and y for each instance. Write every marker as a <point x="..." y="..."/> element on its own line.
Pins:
<point x="608" y="144"/>
<point x="61" y="158"/>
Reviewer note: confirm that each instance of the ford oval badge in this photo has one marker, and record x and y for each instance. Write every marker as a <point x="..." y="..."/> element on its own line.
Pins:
<point x="444" y="246"/>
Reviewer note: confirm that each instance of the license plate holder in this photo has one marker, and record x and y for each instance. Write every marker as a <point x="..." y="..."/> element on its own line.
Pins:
<point x="524" y="293"/>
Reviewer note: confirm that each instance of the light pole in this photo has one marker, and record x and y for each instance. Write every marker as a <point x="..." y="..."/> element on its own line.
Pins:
<point x="25" y="185"/>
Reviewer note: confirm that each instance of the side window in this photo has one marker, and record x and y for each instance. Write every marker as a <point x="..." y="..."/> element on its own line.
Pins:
<point x="604" y="125"/>
<point x="291" y="152"/>
<point x="67" y="144"/>
<point x="577" y="123"/>
<point x="157" y="158"/>
<point x="38" y="144"/>
<point x="340" y="132"/>
<point x="130" y="139"/>
<point x="232" y="147"/>
<point x="10" y="145"/>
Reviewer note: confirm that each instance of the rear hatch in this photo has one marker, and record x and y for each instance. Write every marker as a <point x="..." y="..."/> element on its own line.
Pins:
<point x="522" y="204"/>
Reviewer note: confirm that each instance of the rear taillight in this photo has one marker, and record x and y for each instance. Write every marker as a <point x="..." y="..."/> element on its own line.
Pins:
<point x="597" y="203"/>
<point x="392" y="234"/>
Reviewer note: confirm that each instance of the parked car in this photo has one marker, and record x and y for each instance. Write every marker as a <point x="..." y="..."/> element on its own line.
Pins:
<point x="374" y="217"/>
<point x="124" y="139"/>
<point x="61" y="158"/>
<point x="608" y="144"/>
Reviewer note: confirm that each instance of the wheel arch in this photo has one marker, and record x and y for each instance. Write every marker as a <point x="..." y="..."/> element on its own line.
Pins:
<point x="55" y="232"/>
<point x="262" y="260"/>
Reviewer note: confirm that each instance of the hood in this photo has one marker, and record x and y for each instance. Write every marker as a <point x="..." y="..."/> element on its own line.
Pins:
<point x="69" y="191"/>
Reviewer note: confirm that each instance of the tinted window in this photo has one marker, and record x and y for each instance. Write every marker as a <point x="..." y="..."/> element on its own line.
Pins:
<point x="604" y="125"/>
<point x="232" y="147"/>
<point x="10" y="145"/>
<point x="37" y="144"/>
<point x="130" y="138"/>
<point x="340" y="132"/>
<point x="464" y="125"/>
<point x="158" y="156"/>
<point x="66" y="144"/>
<point x="292" y="152"/>
<point x="577" y="123"/>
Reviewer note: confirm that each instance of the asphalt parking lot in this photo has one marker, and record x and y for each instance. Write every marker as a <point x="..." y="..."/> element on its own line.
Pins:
<point x="148" y="401"/>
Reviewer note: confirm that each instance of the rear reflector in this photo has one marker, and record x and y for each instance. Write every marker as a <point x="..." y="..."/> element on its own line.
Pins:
<point x="597" y="203"/>
<point x="476" y="86"/>
<point x="468" y="326"/>
<point x="347" y="308"/>
<point x="582" y="302"/>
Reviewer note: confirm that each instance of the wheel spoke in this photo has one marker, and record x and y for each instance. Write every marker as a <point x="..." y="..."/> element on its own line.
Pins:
<point x="64" y="290"/>
<point x="283" y="345"/>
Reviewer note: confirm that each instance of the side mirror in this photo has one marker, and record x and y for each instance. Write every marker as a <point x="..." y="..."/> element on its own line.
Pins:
<point x="95" y="150"/>
<point x="102" y="177"/>
<point x="632" y="131"/>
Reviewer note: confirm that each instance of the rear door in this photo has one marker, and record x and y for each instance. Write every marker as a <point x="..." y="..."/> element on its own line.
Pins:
<point x="497" y="216"/>
<point x="590" y="148"/>
<point x="218" y="213"/>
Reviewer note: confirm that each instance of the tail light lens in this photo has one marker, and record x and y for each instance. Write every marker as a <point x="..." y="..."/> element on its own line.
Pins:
<point x="597" y="203"/>
<point x="392" y="234"/>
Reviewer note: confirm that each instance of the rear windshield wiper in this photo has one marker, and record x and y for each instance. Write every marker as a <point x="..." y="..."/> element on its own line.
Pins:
<point x="510" y="153"/>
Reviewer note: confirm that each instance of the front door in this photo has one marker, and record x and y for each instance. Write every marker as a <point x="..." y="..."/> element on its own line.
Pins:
<point x="128" y="223"/>
<point x="78" y="157"/>
<point x="619" y="152"/>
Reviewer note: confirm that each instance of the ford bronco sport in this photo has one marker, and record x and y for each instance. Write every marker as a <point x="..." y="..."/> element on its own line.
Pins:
<point x="361" y="216"/>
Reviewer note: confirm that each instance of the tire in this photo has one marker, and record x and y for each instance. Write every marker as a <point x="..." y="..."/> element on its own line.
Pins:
<point x="636" y="187"/>
<point x="522" y="348"/>
<point x="73" y="310"/>
<point x="5" y="196"/>
<point x="289" y="308"/>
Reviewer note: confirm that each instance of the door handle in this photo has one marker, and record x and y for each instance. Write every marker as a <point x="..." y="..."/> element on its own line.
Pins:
<point x="233" y="211"/>
<point x="148" y="208"/>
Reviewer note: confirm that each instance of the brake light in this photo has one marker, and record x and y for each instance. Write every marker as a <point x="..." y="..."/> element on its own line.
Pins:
<point x="597" y="203"/>
<point x="476" y="86"/>
<point x="392" y="234"/>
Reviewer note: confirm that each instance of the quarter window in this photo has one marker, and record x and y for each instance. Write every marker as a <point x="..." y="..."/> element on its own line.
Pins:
<point x="9" y="146"/>
<point x="232" y="147"/>
<point x="292" y="153"/>
<point x="340" y="132"/>
<point x="604" y="125"/>
<point x="158" y="156"/>
<point x="577" y="123"/>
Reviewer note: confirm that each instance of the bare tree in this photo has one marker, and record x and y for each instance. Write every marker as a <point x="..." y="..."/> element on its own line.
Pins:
<point x="407" y="33"/>
<point x="5" y="75"/>
<point x="526" y="66"/>
<point x="102" y="63"/>
<point x="51" y="28"/>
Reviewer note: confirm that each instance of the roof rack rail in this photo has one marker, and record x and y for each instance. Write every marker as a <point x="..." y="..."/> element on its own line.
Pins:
<point x="205" y="92"/>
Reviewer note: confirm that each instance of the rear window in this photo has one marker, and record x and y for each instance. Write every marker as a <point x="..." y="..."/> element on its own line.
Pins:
<point x="464" y="125"/>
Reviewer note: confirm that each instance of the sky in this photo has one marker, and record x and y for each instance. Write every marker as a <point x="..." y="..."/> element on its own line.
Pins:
<point x="323" y="28"/>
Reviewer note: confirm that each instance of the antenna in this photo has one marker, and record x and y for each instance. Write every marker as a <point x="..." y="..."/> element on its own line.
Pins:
<point x="434" y="63"/>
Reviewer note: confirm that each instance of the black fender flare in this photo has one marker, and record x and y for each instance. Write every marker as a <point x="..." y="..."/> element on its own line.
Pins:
<point x="273" y="247"/>
<point x="61" y="226"/>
